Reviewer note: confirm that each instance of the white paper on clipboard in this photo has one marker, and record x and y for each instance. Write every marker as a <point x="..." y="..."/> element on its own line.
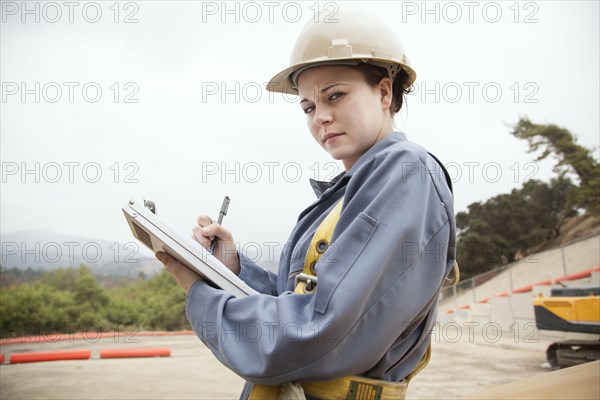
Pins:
<point x="159" y="236"/>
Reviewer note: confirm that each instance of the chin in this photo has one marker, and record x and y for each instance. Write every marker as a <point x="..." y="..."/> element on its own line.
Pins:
<point x="340" y="153"/>
<point x="337" y="155"/>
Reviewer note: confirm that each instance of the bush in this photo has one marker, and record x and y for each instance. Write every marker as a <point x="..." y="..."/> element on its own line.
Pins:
<point x="67" y="300"/>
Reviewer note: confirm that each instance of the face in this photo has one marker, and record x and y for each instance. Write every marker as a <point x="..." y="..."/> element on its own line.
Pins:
<point x="345" y="115"/>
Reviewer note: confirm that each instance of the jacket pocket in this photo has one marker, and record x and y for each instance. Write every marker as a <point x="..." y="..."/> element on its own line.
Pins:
<point x="339" y="258"/>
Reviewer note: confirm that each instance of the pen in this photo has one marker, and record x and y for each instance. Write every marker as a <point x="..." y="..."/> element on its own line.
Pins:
<point x="222" y="213"/>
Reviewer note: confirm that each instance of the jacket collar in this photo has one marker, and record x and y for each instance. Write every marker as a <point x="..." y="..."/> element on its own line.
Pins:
<point x="320" y="187"/>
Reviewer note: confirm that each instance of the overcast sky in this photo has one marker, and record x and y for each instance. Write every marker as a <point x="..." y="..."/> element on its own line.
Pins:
<point x="104" y="101"/>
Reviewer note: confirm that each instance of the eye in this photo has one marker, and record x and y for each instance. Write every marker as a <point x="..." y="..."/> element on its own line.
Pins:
<point x="308" y="109"/>
<point x="335" y="96"/>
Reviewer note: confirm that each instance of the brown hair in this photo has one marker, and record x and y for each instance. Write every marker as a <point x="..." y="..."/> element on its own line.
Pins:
<point x="374" y="74"/>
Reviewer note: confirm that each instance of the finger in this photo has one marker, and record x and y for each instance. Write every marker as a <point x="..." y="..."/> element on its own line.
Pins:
<point x="217" y="230"/>
<point x="169" y="262"/>
<point x="204" y="220"/>
<point x="200" y="237"/>
<point x="212" y="230"/>
<point x="160" y="255"/>
<point x="183" y="275"/>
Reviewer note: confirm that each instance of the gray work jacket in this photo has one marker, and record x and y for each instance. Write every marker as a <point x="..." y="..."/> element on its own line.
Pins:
<point x="378" y="283"/>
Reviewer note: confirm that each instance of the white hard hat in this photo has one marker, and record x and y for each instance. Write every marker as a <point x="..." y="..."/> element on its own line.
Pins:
<point x="349" y="38"/>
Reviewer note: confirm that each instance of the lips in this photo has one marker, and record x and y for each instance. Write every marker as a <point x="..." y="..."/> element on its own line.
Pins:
<point x="331" y="135"/>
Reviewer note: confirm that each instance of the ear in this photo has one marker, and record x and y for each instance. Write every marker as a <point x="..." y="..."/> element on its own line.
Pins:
<point x="385" y="91"/>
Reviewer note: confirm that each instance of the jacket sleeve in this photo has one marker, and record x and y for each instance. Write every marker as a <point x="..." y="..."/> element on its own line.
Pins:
<point x="382" y="273"/>
<point x="257" y="277"/>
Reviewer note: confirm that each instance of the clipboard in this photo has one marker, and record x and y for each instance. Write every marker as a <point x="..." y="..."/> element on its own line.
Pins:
<point x="157" y="235"/>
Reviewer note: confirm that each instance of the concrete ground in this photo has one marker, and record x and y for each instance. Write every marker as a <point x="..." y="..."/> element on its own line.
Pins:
<point x="462" y="364"/>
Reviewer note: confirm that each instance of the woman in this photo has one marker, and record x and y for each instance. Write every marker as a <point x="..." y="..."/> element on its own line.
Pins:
<point x="366" y="273"/>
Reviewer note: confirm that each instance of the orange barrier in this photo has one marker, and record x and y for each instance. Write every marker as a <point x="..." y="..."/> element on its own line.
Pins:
<point x="1" y="358"/>
<point x="578" y="275"/>
<point x="163" y="333"/>
<point x="50" y="356"/>
<point x="529" y="288"/>
<point x="523" y="289"/>
<point x="135" y="353"/>
<point x="59" y="337"/>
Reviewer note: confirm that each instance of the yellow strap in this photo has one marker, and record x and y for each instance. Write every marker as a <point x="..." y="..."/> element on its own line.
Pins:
<point x="264" y="392"/>
<point x="318" y="245"/>
<point x="356" y="388"/>
<point x="422" y="364"/>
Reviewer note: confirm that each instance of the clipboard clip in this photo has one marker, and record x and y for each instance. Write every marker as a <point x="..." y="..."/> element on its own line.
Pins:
<point x="150" y="205"/>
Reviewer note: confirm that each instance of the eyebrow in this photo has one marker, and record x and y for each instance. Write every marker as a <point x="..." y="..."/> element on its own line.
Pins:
<point x="326" y="88"/>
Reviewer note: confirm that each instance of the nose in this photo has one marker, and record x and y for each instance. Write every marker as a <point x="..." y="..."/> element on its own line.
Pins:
<point x="323" y="115"/>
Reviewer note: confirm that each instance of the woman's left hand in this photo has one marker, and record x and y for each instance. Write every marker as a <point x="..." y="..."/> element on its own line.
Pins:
<point x="184" y="276"/>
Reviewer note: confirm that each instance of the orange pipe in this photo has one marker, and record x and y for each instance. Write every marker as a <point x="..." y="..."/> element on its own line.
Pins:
<point x="50" y="356"/>
<point x="134" y="353"/>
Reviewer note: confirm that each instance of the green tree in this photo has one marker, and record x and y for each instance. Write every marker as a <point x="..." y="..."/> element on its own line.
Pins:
<point x="87" y="290"/>
<point x="166" y="304"/>
<point x="495" y="231"/>
<point x="90" y="300"/>
<point x="66" y="299"/>
<point x="35" y="309"/>
<point x="157" y="303"/>
<point x="572" y="157"/>
<point x="61" y="278"/>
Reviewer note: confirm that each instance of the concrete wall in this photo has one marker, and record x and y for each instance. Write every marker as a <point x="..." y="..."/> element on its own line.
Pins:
<point x="482" y="308"/>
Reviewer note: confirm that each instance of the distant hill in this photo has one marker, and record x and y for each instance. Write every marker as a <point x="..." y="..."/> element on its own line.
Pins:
<point x="572" y="229"/>
<point x="47" y="250"/>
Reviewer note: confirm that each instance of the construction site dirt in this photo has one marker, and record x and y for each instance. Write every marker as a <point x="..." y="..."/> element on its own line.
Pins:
<point x="464" y="361"/>
<point x="471" y="351"/>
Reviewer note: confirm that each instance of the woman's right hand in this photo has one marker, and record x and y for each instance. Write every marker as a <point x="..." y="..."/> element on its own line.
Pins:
<point x="225" y="249"/>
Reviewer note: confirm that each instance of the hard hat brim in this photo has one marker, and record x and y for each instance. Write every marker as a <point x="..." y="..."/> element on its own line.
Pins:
<point x="282" y="81"/>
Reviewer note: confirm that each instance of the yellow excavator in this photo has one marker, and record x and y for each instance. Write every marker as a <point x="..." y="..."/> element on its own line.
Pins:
<point x="570" y="310"/>
<point x="566" y="310"/>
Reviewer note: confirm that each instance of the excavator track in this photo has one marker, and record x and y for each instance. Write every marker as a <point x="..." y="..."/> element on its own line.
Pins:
<point x="568" y="353"/>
